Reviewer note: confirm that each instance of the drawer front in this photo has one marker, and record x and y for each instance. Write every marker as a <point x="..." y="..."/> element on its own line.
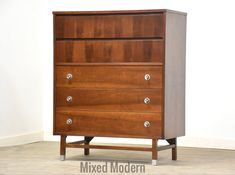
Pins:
<point x="110" y="100"/>
<point x="109" y="124"/>
<point x="109" y="76"/>
<point x="109" y="26"/>
<point x="100" y="51"/>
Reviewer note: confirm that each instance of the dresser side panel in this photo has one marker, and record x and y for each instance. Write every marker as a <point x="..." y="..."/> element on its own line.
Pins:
<point x="175" y="51"/>
<point x="54" y="76"/>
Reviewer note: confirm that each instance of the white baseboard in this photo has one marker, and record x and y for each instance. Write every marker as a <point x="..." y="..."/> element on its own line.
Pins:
<point x="21" y="139"/>
<point x="186" y="141"/>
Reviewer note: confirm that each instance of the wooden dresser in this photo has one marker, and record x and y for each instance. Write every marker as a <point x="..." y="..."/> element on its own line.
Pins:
<point x="119" y="74"/>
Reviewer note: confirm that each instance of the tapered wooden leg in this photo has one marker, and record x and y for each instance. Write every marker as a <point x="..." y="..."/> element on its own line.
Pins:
<point x="87" y="141"/>
<point x="154" y="152"/>
<point x="86" y="150"/>
<point x="174" y="150"/>
<point x="62" y="147"/>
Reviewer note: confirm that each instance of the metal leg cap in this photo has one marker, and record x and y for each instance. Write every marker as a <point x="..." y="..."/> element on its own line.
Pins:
<point x="62" y="157"/>
<point x="154" y="162"/>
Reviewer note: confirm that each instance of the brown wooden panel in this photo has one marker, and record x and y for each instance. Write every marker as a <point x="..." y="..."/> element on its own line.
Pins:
<point x="109" y="51"/>
<point x="110" y="100"/>
<point x="109" y="26"/>
<point x="108" y="124"/>
<point x="109" y="76"/>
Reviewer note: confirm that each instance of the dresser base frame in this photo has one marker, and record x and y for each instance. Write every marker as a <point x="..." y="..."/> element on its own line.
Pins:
<point x="86" y="145"/>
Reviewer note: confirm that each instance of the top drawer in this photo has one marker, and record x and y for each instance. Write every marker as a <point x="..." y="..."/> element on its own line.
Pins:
<point x="109" y="26"/>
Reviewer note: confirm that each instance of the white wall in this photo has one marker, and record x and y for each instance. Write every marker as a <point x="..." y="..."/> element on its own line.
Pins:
<point x="20" y="72"/>
<point x="210" y="95"/>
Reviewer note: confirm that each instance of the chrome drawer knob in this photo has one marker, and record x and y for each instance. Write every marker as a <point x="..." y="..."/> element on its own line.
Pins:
<point x="147" y="100"/>
<point x="69" y="121"/>
<point x="69" y="99"/>
<point x="146" y="124"/>
<point x="69" y="76"/>
<point x="147" y="77"/>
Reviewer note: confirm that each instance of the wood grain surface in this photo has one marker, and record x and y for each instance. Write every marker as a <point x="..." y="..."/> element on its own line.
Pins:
<point x="109" y="26"/>
<point x="103" y="51"/>
<point x="109" y="76"/>
<point x="121" y="124"/>
<point x="110" y="100"/>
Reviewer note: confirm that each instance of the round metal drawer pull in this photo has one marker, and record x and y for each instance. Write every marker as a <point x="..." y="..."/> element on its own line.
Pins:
<point x="69" y="76"/>
<point x="69" y="99"/>
<point x="146" y="124"/>
<point x="147" y="100"/>
<point x="69" y="121"/>
<point x="147" y="77"/>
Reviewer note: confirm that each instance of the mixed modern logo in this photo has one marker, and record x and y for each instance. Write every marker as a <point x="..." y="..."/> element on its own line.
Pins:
<point x="110" y="167"/>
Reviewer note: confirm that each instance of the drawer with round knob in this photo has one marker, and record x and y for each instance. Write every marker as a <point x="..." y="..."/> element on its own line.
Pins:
<point x="109" y="76"/>
<point x="109" y="123"/>
<point x="149" y="100"/>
